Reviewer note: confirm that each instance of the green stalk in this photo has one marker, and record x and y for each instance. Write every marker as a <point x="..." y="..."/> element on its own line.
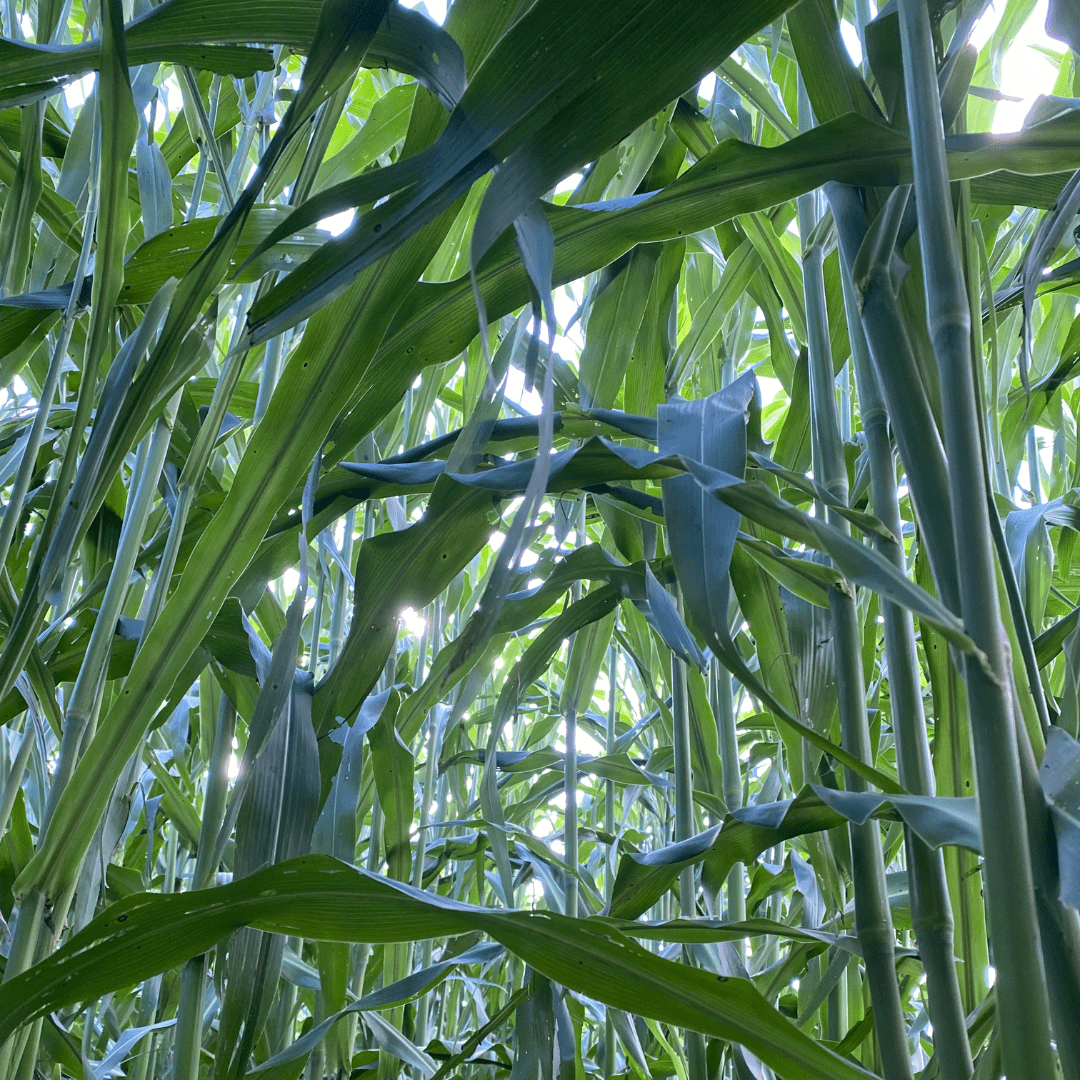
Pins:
<point x="720" y="687"/>
<point x="684" y="828"/>
<point x="191" y="479"/>
<point x="264" y="84"/>
<point x="216" y="793"/>
<point x="372" y="866"/>
<point x="337" y="622"/>
<point x="197" y="185"/>
<point x="1033" y="710"/>
<point x="570" y="813"/>
<point x="92" y="673"/>
<point x="684" y="779"/>
<point x="873" y="918"/>
<point x="22" y="954"/>
<point x="570" y="768"/>
<point x="13" y="510"/>
<point x="1034" y="481"/>
<point x="1023" y="1013"/>
<point x="150" y="993"/>
<point x="189" y="1013"/>
<point x="341" y="593"/>
<point x="609" y="827"/>
<point x="609" y="744"/>
<point x="428" y="793"/>
<point x="1059" y="927"/>
<point x="897" y="369"/>
<point x="13" y="784"/>
<point x="1059" y="924"/>
<point x="731" y="775"/>
<point x="187" y="1042"/>
<point x="193" y="107"/>
<point x="326" y="121"/>
<point x="931" y="913"/>
<point x="21" y="199"/>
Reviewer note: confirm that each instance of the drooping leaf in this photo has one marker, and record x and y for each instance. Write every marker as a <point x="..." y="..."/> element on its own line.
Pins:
<point x="319" y="898"/>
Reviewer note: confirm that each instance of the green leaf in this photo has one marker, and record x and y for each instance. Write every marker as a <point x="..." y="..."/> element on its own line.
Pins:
<point x="643" y="879"/>
<point x="1059" y="775"/>
<point x="320" y="899"/>
<point x="396" y="570"/>
<point x="393" y="765"/>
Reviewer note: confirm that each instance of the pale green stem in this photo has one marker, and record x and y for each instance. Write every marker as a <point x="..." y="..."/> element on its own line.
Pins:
<point x="609" y="826"/>
<point x="189" y="1011"/>
<point x="1023" y="1013"/>
<point x="1034" y="479"/>
<point x="13" y="784"/>
<point x="570" y="769"/>
<point x="910" y="415"/>
<point x="187" y="1043"/>
<point x="264" y="82"/>
<point x="27" y="467"/>
<point x="325" y="123"/>
<point x="271" y="369"/>
<point x="206" y="141"/>
<point x="201" y="169"/>
<point x="23" y="952"/>
<point x="931" y="914"/>
<point x="423" y="1007"/>
<point x="149" y="461"/>
<point x="317" y="612"/>
<point x="1059" y="925"/>
<point x="190" y="482"/>
<point x="731" y="766"/>
<point x="570" y="813"/>
<point x="694" y="1043"/>
<point x="873" y="918"/>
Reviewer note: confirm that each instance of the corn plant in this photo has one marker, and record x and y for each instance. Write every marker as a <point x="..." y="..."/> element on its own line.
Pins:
<point x="537" y="543"/>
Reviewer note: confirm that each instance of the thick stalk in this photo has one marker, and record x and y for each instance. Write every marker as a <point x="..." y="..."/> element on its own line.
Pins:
<point x="423" y="1007"/>
<point x="13" y="784"/>
<point x="21" y="955"/>
<point x="1059" y="925"/>
<point x="570" y="813"/>
<point x="684" y="828"/>
<point x="205" y="138"/>
<point x="28" y="465"/>
<point x="910" y="415"/>
<point x="264" y="85"/>
<point x="609" y="827"/>
<point x="216" y="794"/>
<point x="873" y="918"/>
<point x="187" y="1043"/>
<point x="325" y="123"/>
<point x="684" y="779"/>
<point x="197" y="185"/>
<point x="931" y="913"/>
<point x="570" y="771"/>
<point x="1034" y="480"/>
<point x="190" y="482"/>
<point x="1023" y="1012"/>
<point x="189" y="1014"/>
<point x="372" y="866"/>
<point x="22" y="197"/>
<point x="84" y="697"/>
<point x="609" y="746"/>
<point x="731" y="772"/>
<point x="1033" y="711"/>
<point x="731" y="766"/>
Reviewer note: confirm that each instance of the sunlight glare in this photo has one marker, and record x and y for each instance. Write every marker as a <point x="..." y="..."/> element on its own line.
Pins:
<point x="851" y="41"/>
<point x="336" y="224"/>
<point x="414" y="622"/>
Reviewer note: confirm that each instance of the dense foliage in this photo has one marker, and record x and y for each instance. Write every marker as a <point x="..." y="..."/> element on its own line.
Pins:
<point x="537" y="546"/>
